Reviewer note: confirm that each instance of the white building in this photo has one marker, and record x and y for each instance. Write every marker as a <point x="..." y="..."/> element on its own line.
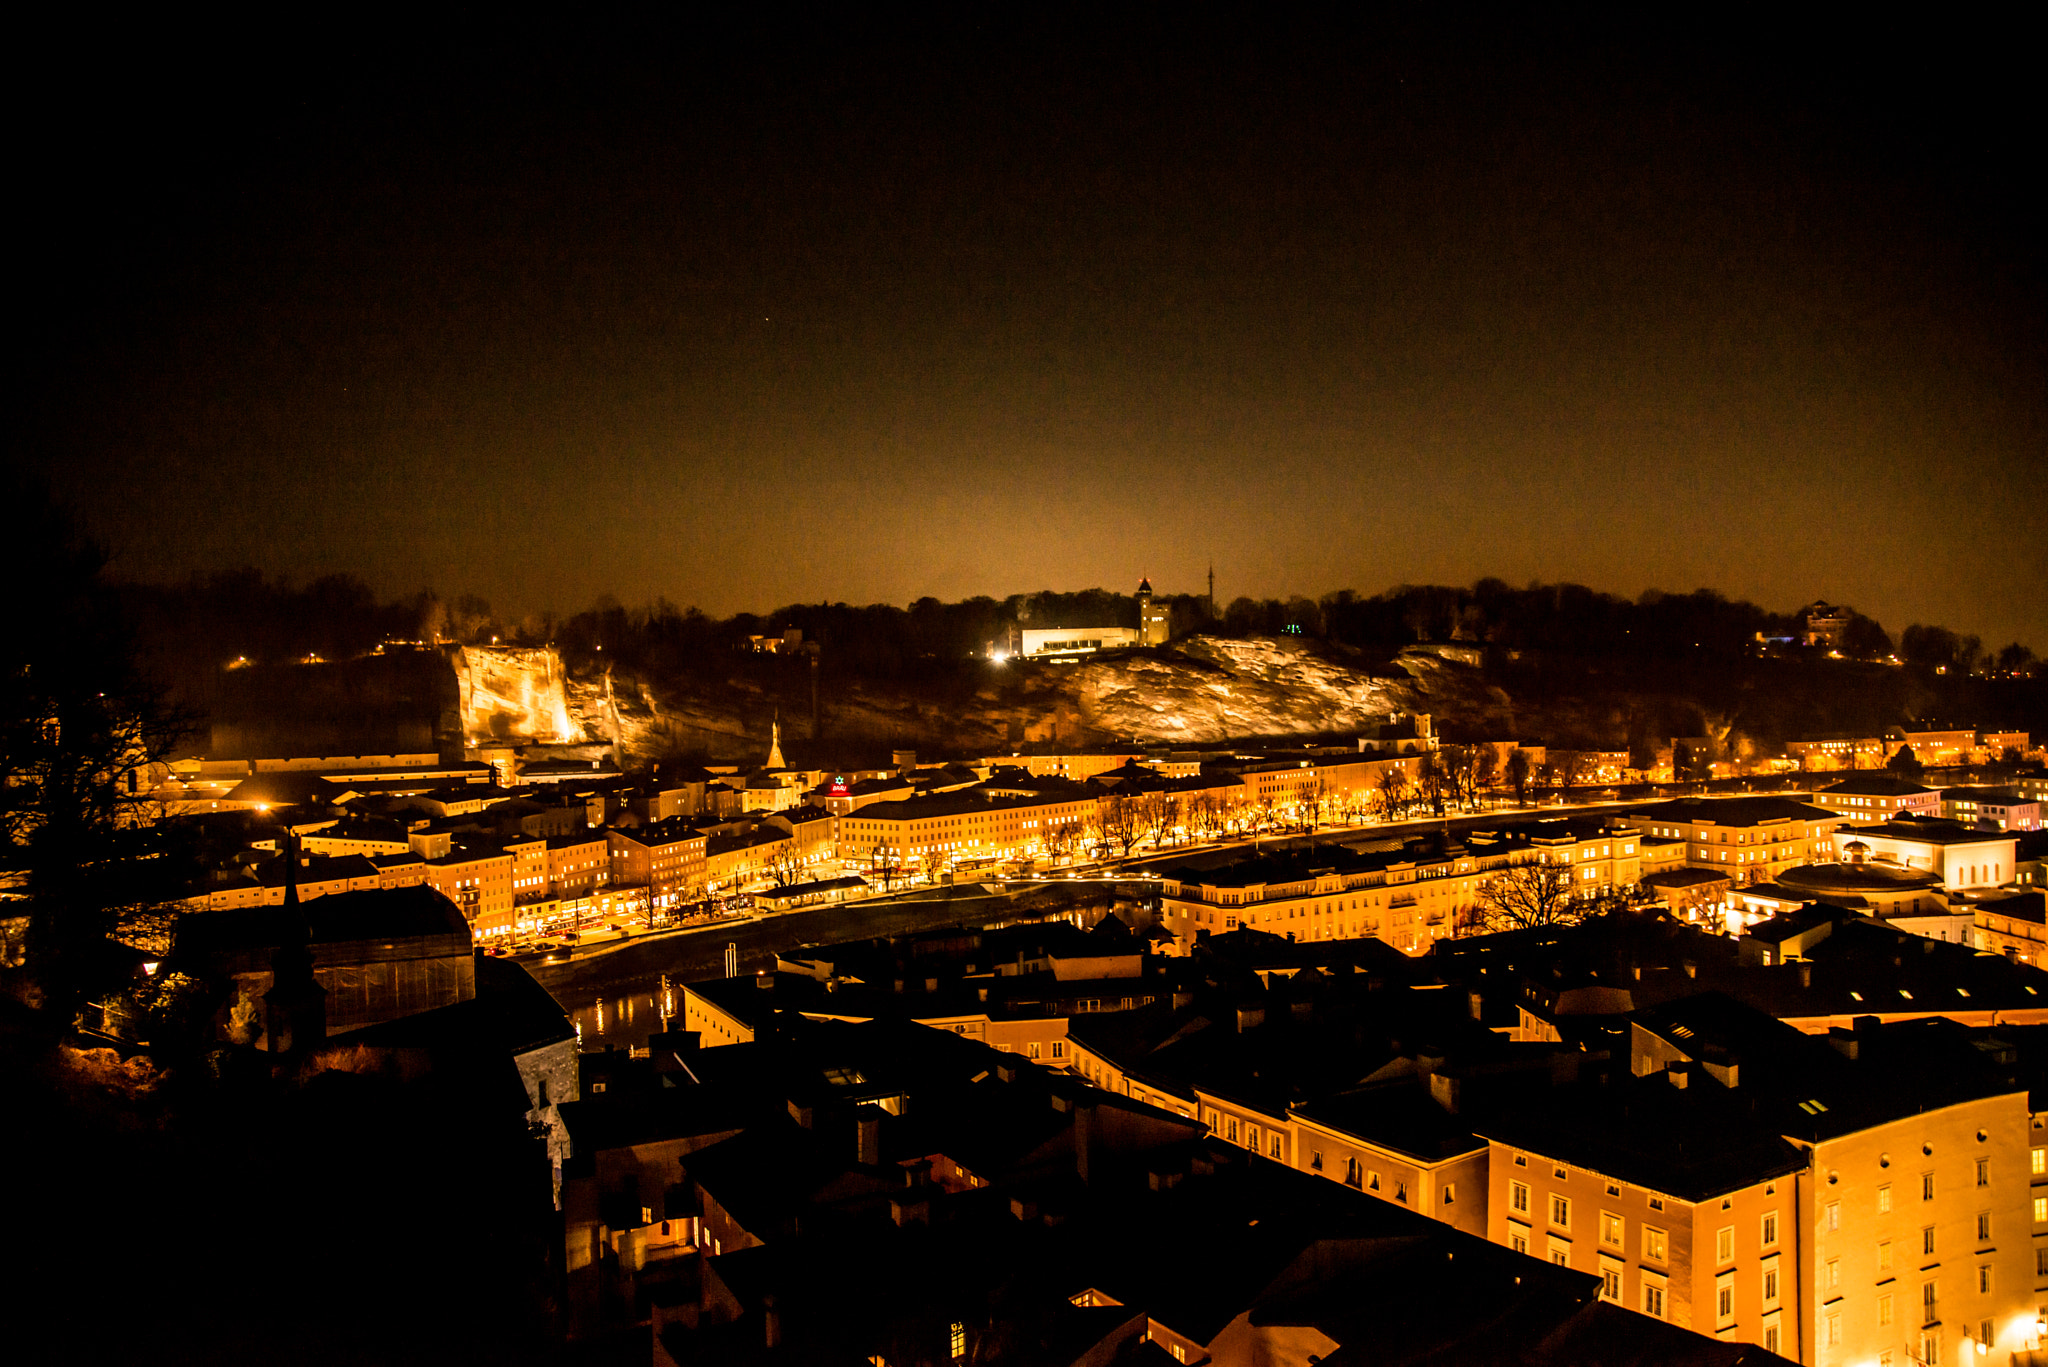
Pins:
<point x="1964" y="860"/>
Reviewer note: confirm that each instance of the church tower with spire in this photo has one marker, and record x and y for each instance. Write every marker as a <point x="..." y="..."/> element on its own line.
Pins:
<point x="295" y="1007"/>
<point x="775" y="743"/>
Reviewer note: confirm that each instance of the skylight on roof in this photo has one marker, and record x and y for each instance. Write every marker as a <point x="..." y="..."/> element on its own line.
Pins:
<point x="1904" y="993"/>
<point x="1812" y="1107"/>
<point x="845" y="1077"/>
<point x="1857" y="995"/>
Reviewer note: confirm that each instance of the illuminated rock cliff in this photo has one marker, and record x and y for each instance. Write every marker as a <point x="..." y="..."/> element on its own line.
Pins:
<point x="514" y="694"/>
<point x="1197" y="691"/>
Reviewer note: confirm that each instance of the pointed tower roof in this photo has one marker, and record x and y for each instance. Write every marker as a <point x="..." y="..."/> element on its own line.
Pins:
<point x="295" y="1007"/>
<point x="775" y="744"/>
<point x="1145" y="584"/>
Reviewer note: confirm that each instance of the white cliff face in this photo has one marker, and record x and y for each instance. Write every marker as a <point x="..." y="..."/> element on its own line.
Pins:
<point x="1198" y="691"/>
<point x="1204" y="690"/>
<point x="514" y="694"/>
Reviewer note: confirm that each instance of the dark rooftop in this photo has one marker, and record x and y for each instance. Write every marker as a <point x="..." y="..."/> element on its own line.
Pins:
<point x="1734" y="811"/>
<point x="1877" y="785"/>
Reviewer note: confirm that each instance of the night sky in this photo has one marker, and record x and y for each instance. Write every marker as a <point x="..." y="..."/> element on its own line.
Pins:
<point x="742" y="319"/>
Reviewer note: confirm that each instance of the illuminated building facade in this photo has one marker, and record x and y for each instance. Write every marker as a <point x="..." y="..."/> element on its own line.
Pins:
<point x="664" y="857"/>
<point x="1754" y="838"/>
<point x="1963" y="860"/>
<point x="1878" y="797"/>
<point x="1409" y="899"/>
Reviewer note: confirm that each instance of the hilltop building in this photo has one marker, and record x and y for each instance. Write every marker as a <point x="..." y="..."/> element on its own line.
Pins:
<point x="1825" y="625"/>
<point x="1153" y="629"/>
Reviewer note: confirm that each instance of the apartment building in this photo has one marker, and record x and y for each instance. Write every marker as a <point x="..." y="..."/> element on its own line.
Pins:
<point x="1397" y="1141"/>
<point x="317" y="876"/>
<point x="738" y="855"/>
<point x="578" y="865"/>
<point x="2013" y="925"/>
<point x="813" y="834"/>
<point x="1878" y="797"/>
<point x="1825" y="753"/>
<point x="1992" y="745"/>
<point x="476" y="875"/>
<point x="1933" y="747"/>
<point x="1753" y="838"/>
<point x="933" y="832"/>
<point x="1912" y="1224"/>
<point x="1410" y="898"/>
<point x="400" y="870"/>
<point x="1700" y="1234"/>
<point x="2005" y="809"/>
<point x="665" y="857"/>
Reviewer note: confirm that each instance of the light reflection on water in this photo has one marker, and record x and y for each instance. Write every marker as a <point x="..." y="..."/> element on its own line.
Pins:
<point x="627" y="1020"/>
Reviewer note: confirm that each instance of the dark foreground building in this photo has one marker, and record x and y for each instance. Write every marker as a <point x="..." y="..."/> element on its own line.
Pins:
<point x="887" y="1193"/>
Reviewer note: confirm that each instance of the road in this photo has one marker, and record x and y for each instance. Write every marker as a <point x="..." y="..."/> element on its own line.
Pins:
<point x="637" y="968"/>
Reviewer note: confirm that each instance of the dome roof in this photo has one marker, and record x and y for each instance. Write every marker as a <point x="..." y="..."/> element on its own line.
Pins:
<point x="1857" y="878"/>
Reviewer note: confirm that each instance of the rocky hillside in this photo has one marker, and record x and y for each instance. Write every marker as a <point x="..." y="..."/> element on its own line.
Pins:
<point x="1199" y="691"/>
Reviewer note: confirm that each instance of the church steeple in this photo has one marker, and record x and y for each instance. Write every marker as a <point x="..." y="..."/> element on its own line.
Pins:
<point x="775" y="743"/>
<point x="295" y="1007"/>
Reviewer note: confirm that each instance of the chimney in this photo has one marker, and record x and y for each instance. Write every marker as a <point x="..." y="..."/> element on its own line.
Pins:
<point x="868" y="1138"/>
<point x="1844" y="1041"/>
<point x="1023" y="1208"/>
<point x="910" y="1210"/>
<point x="801" y="1114"/>
<point x="771" y="1323"/>
<point x="1679" y="1075"/>
<point x="1443" y="1090"/>
<point x="765" y="980"/>
<point x="1805" y="974"/>
<point x="1250" y="1016"/>
<point x="1006" y="1070"/>
<point x="1476" y="1005"/>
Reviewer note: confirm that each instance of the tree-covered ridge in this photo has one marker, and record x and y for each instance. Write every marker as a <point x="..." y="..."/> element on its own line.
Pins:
<point x="242" y="614"/>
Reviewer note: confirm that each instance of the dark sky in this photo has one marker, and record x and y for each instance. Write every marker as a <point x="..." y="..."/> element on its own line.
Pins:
<point x="742" y="319"/>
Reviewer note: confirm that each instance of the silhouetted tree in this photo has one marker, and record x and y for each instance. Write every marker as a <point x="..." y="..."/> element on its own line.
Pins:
<point x="1518" y="775"/>
<point x="80" y="730"/>
<point x="1525" y="896"/>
